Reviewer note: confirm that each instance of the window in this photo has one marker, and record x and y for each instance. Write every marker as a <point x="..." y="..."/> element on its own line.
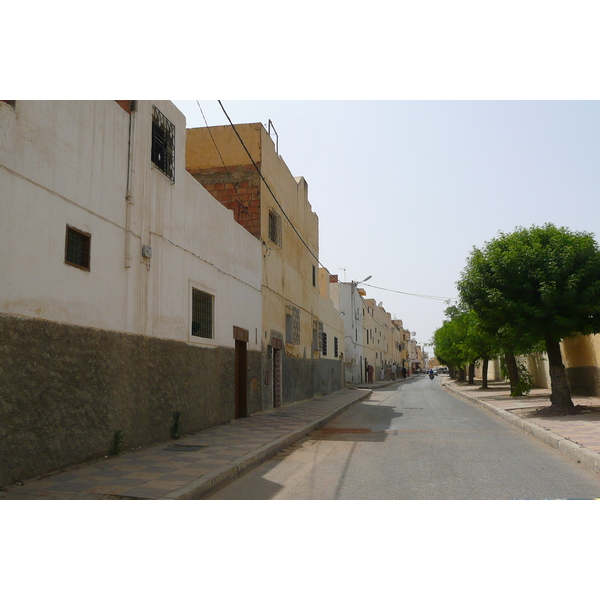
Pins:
<point x="335" y="347"/>
<point x="324" y="344"/>
<point x="292" y="325"/>
<point x="275" y="227"/>
<point x="202" y="314"/>
<point x="163" y="143"/>
<point x="77" y="248"/>
<point x="314" y="269"/>
<point x="317" y="335"/>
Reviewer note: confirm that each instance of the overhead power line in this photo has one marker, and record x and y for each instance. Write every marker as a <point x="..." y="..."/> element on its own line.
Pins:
<point x="426" y="296"/>
<point x="440" y="298"/>
<point x="270" y="190"/>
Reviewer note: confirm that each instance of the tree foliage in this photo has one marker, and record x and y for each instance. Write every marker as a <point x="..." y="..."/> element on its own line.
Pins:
<point x="533" y="285"/>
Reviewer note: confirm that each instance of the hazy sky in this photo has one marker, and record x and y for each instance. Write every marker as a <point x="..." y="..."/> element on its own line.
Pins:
<point x="405" y="189"/>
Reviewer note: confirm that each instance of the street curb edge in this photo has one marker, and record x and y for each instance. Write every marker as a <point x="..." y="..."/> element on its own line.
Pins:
<point x="584" y="456"/>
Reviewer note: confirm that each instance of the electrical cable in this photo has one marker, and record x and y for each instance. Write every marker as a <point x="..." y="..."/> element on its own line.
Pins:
<point x="270" y="190"/>
<point x="242" y="207"/>
<point x="440" y="298"/>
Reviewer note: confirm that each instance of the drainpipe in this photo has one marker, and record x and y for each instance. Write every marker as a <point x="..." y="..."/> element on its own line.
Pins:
<point x="129" y="192"/>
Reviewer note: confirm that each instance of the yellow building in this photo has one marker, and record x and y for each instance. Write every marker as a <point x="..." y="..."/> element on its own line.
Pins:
<point x="302" y="335"/>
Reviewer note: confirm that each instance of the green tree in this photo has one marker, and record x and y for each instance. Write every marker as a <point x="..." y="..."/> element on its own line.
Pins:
<point x="540" y="284"/>
<point x="462" y="341"/>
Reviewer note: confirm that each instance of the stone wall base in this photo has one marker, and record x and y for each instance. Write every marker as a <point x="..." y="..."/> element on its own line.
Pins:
<point x="65" y="391"/>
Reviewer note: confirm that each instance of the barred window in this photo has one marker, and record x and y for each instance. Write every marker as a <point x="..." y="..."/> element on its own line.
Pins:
<point x="317" y="335"/>
<point x="324" y="344"/>
<point x="335" y="347"/>
<point x="202" y="314"/>
<point x="292" y="325"/>
<point x="275" y="227"/>
<point x="77" y="248"/>
<point x="163" y="143"/>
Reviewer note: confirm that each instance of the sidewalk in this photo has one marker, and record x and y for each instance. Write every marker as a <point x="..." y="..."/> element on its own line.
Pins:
<point x="195" y="465"/>
<point x="577" y="436"/>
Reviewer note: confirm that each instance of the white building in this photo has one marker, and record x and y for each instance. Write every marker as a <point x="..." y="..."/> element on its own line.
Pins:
<point x="127" y="293"/>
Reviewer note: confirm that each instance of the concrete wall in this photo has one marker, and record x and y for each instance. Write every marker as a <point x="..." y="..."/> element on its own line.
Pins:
<point x="290" y="268"/>
<point x="68" y="163"/>
<point x="86" y="352"/>
<point x="580" y="356"/>
<point x="65" y="390"/>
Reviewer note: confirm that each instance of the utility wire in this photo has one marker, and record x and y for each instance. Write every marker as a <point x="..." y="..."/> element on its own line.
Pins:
<point x="429" y="297"/>
<point x="440" y="298"/>
<point x="270" y="190"/>
<point x="241" y="206"/>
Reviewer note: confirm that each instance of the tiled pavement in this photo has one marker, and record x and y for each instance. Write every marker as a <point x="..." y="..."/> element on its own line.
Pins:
<point x="193" y="466"/>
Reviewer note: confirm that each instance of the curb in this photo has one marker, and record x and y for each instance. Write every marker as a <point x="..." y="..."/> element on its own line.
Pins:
<point x="584" y="456"/>
<point x="221" y="476"/>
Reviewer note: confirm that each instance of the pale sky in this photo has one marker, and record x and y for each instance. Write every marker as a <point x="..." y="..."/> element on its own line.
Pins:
<point x="404" y="189"/>
<point x="405" y="183"/>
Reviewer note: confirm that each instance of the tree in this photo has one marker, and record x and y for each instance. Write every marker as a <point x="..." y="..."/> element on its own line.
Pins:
<point x="540" y="284"/>
<point x="463" y="340"/>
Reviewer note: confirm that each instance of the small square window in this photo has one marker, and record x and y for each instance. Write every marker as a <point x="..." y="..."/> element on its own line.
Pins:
<point x="202" y="314"/>
<point x="77" y="248"/>
<point x="163" y="143"/>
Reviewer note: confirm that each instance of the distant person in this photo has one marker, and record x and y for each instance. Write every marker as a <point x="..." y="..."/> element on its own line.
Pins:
<point x="394" y="372"/>
<point x="370" y="371"/>
<point x="403" y="372"/>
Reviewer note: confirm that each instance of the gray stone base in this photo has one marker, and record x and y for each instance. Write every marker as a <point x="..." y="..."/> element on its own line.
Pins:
<point x="65" y="391"/>
<point x="584" y="380"/>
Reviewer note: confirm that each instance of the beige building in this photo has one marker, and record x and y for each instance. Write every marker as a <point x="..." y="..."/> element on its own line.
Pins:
<point x="302" y="333"/>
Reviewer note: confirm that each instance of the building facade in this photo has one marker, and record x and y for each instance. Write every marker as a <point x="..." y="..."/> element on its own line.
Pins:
<point x="131" y="306"/>
<point x="302" y="334"/>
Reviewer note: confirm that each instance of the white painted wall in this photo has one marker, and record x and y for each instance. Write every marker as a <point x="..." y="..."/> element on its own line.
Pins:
<point x="67" y="163"/>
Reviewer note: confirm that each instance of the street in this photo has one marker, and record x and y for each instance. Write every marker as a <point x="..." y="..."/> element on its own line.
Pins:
<point x="412" y="440"/>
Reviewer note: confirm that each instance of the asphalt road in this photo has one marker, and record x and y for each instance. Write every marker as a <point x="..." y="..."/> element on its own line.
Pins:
<point x="415" y="441"/>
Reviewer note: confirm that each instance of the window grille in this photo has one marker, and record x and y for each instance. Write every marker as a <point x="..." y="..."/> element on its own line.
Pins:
<point x="324" y="337"/>
<point x="335" y="347"/>
<point x="202" y="314"/>
<point x="275" y="227"/>
<point x="77" y="248"/>
<point x="318" y="335"/>
<point x="163" y="143"/>
<point x="292" y="321"/>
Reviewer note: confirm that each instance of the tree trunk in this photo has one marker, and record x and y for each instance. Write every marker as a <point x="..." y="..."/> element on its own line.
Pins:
<point x="461" y="374"/>
<point x="472" y="374"/>
<point x="484" y="373"/>
<point x="561" y="393"/>
<point x="513" y="371"/>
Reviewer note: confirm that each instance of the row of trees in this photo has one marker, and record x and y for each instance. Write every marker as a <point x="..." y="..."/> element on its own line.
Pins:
<point x="524" y="292"/>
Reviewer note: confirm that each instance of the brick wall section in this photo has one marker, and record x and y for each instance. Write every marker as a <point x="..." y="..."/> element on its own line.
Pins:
<point x="238" y="189"/>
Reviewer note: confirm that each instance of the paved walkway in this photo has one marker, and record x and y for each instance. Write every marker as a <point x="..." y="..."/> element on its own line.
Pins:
<point x="195" y="465"/>
<point x="575" y="435"/>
